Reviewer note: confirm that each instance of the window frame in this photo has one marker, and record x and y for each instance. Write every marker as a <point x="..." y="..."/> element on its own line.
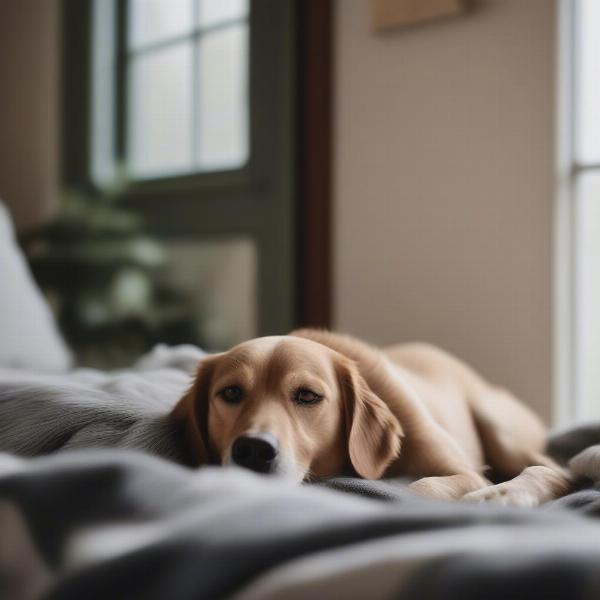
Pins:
<point x="193" y="178"/>
<point x="257" y="201"/>
<point x="180" y="184"/>
<point x="77" y="57"/>
<point x="568" y="389"/>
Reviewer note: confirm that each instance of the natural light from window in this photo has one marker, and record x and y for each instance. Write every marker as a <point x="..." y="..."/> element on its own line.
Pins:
<point x="187" y="106"/>
<point x="183" y="95"/>
<point x="586" y="172"/>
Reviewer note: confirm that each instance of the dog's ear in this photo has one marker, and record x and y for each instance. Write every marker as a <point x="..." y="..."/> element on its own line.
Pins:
<point x="192" y="412"/>
<point x="373" y="432"/>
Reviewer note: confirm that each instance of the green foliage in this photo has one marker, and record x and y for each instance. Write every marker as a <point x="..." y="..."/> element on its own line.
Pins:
<point x="105" y="277"/>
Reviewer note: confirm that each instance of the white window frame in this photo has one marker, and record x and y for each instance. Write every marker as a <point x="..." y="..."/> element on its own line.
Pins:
<point x="568" y="394"/>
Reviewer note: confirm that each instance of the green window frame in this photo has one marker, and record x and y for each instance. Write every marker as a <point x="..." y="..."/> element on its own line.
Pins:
<point x="254" y="201"/>
<point x="126" y="55"/>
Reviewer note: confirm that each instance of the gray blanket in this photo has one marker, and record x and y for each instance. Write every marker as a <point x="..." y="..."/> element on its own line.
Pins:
<point x="129" y="522"/>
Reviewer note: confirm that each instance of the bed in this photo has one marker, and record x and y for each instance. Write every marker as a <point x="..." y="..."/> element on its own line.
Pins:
<point x="130" y="518"/>
<point x="98" y="499"/>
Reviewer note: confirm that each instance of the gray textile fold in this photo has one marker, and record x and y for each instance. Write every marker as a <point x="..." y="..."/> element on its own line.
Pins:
<point x="120" y="524"/>
<point x="109" y="512"/>
<point x="567" y="443"/>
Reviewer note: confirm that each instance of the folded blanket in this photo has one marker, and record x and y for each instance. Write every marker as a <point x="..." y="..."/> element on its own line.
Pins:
<point x="565" y="444"/>
<point x="101" y="524"/>
<point x="42" y="413"/>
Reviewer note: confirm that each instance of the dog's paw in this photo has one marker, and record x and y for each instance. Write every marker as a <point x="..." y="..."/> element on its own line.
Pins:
<point x="432" y="487"/>
<point x="504" y="494"/>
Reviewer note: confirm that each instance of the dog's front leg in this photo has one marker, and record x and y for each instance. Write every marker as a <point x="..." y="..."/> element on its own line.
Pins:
<point x="448" y="487"/>
<point x="534" y="486"/>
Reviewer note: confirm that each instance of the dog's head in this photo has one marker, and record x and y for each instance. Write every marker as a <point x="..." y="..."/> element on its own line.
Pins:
<point x="288" y="406"/>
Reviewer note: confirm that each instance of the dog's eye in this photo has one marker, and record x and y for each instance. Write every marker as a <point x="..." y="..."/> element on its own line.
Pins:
<point x="231" y="394"/>
<point x="304" y="396"/>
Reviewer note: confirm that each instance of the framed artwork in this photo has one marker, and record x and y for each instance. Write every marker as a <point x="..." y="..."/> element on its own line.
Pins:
<point x="390" y="14"/>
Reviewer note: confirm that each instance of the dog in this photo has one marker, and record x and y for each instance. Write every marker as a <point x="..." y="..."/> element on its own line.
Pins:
<point x="315" y="404"/>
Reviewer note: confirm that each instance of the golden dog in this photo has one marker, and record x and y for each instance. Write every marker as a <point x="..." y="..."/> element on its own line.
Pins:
<point x="316" y="404"/>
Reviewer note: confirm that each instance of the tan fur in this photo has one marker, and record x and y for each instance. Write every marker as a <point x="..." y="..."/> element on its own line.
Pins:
<point x="407" y="410"/>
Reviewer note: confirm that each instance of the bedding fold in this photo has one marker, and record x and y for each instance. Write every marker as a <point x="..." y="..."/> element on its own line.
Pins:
<point x="100" y="524"/>
<point x="130" y="519"/>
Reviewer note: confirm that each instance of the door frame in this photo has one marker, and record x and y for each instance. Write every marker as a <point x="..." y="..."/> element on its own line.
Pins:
<point x="315" y="160"/>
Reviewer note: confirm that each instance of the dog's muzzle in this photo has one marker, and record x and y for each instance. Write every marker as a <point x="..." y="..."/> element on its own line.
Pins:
<point x="256" y="452"/>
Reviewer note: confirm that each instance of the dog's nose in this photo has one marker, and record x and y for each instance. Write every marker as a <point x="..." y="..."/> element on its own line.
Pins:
<point x="257" y="452"/>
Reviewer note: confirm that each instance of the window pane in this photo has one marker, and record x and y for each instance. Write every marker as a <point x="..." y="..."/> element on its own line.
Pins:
<point x="588" y="74"/>
<point x="155" y="20"/>
<point x="213" y="12"/>
<point x="160" y="111"/>
<point x="588" y="294"/>
<point x="223" y="98"/>
<point x="220" y="278"/>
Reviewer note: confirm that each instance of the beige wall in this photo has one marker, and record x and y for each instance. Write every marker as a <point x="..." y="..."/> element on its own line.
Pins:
<point x="443" y="186"/>
<point x="29" y="105"/>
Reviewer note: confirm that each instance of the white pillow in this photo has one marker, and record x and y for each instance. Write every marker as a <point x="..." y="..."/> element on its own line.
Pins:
<point x="29" y="338"/>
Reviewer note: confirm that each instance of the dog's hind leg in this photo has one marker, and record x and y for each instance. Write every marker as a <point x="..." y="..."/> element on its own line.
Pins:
<point x="513" y="441"/>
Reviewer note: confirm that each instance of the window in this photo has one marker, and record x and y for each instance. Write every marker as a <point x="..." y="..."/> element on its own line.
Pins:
<point x="182" y="97"/>
<point x="578" y="344"/>
<point x="184" y="111"/>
